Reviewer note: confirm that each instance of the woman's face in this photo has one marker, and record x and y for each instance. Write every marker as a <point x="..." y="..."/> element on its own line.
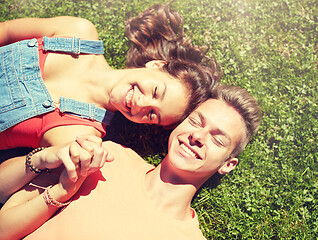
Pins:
<point x="149" y="95"/>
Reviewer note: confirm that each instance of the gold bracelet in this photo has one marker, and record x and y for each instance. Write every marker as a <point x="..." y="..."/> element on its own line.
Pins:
<point x="29" y="164"/>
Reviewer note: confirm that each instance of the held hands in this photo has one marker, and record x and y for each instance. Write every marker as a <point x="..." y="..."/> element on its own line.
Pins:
<point x="89" y="153"/>
<point x="88" y="156"/>
<point x="85" y="154"/>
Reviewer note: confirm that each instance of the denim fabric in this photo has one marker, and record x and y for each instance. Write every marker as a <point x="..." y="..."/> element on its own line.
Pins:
<point x="22" y="90"/>
<point x="73" y="45"/>
<point x="85" y="110"/>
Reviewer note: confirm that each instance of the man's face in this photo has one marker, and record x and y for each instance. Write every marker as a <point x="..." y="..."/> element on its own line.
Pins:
<point x="203" y="142"/>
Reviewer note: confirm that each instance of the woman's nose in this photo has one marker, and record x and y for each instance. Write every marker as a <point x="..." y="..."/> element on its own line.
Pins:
<point x="139" y="105"/>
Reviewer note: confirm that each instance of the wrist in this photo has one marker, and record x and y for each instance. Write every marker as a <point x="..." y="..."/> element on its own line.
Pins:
<point x="60" y="194"/>
<point x="33" y="161"/>
<point x="36" y="160"/>
<point x="65" y="192"/>
<point x="54" y="198"/>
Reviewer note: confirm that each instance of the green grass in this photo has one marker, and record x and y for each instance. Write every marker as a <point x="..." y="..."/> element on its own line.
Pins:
<point x="270" y="48"/>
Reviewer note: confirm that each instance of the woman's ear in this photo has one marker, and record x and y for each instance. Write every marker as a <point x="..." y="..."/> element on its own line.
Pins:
<point x="155" y="64"/>
<point x="228" y="166"/>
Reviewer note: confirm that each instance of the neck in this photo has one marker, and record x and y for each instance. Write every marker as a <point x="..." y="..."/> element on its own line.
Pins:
<point x="168" y="194"/>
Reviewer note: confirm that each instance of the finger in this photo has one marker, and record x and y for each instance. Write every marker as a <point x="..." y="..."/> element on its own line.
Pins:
<point x="98" y="157"/>
<point x="103" y="154"/>
<point x="69" y="160"/>
<point x="74" y="153"/>
<point x="109" y="157"/>
<point x="106" y="158"/>
<point x="85" y="161"/>
<point x="85" y="144"/>
<point x="90" y="138"/>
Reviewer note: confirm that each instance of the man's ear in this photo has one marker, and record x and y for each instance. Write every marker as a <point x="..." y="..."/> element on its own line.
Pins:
<point x="155" y="64"/>
<point x="228" y="166"/>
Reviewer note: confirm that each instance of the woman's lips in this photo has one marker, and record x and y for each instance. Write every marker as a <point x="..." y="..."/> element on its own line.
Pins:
<point x="129" y="96"/>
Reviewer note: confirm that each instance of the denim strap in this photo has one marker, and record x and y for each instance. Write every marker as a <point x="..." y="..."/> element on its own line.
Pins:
<point x="73" y="45"/>
<point x="85" y="110"/>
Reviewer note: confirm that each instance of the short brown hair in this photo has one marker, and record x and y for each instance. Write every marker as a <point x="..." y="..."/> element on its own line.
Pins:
<point x="246" y="105"/>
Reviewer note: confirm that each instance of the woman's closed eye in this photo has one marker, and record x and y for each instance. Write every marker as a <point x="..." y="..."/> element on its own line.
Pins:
<point x="155" y="92"/>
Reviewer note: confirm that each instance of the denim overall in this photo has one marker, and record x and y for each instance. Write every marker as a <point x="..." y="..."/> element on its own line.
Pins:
<point x="23" y="93"/>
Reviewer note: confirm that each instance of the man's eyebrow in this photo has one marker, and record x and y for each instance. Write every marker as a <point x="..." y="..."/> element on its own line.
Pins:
<point x="201" y="116"/>
<point x="217" y="130"/>
<point x="227" y="136"/>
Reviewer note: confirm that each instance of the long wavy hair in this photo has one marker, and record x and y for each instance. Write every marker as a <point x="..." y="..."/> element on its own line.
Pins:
<point x="158" y="34"/>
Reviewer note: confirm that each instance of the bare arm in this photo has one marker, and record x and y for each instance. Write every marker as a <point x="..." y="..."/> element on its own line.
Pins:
<point x="26" y="28"/>
<point x="26" y="210"/>
<point x="14" y="174"/>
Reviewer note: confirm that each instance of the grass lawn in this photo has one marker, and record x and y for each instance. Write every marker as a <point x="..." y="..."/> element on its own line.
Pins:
<point x="270" y="48"/>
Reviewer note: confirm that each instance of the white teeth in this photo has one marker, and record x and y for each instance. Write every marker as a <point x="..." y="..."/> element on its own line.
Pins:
<point x="189" y="151"/>
<point x="129" y="97"/>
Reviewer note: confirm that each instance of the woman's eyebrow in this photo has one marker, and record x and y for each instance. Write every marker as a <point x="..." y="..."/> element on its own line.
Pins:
<point x="162" y="97"/>
<point x="164" y="91"/>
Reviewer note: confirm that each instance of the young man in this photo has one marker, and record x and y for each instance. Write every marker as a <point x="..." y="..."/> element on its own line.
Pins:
<point x="131" y="199"/>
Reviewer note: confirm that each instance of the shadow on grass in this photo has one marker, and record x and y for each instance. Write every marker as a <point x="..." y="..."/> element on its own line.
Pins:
<point x="144" y="139"/>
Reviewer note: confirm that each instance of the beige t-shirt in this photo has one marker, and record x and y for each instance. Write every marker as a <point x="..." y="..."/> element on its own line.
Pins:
<point x="112" y="205"/>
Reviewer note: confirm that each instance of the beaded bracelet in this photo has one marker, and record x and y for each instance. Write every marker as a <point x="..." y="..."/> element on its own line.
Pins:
<point x="51" y="201"/>
<point x="29" y="164"/>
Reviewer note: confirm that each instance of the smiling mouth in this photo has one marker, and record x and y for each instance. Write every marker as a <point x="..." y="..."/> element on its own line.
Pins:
<point x="189" y="151"/>
<point x="129" y="97"/>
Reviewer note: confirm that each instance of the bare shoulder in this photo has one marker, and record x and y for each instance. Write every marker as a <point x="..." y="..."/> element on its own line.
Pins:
<point x="76" y="26"/>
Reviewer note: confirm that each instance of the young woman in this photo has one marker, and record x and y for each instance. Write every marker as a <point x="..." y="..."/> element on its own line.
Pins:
<point x="55" y="83"/>
<point x="131" y="199"/>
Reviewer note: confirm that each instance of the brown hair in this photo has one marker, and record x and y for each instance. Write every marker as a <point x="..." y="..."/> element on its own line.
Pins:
<point x="158" y="34"/>
<point x="246" y="105"/>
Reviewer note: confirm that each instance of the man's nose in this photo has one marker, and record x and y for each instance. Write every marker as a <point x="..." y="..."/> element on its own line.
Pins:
<point x="198" y="137"/>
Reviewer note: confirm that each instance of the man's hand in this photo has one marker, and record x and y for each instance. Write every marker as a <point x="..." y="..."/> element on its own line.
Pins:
<point x="98" y="154"/>
<point x="86" y="153"/>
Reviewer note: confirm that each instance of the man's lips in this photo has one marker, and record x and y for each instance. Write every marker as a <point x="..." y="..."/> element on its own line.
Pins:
<point x="189" y="151"/>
